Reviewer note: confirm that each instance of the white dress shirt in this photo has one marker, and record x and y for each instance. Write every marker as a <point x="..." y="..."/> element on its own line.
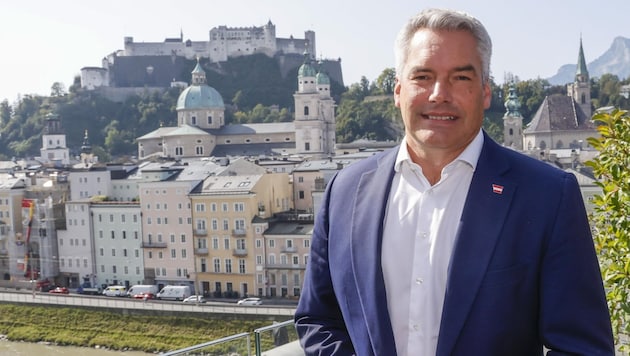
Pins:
<point x="420" y="227"/>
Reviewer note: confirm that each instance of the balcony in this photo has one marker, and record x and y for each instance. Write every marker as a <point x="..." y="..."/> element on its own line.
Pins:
<point x="201" y="251"/>
<point x="239" y="252"/>
<point x="288" y="249"/>
<point x="239" y="232"/>
<point x="201" y="232"/>
<point x="153" y="244"/>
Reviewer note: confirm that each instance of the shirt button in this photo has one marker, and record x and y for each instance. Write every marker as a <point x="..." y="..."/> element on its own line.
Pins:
<point x="419" y="280"/>
<point x="416" y="327"/>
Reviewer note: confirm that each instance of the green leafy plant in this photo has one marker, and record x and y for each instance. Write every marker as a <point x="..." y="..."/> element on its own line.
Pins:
<point x="611" y="216"/>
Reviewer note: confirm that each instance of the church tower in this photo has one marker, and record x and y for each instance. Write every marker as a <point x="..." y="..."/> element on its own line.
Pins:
<point x="54" y="148"/>
<point x="314" y="112"/>
<point x="513" y="122"/>
<point x="580" y="89"/>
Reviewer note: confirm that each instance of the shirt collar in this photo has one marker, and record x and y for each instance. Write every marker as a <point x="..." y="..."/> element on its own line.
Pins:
<point x="470" y="154"/>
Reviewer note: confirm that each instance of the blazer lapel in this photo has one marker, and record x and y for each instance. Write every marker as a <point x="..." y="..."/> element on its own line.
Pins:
<point x="365" y="254"/>
<point x="478" y="233"/>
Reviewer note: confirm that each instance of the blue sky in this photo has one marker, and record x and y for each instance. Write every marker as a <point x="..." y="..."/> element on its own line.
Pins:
<point x="50" y="41"/>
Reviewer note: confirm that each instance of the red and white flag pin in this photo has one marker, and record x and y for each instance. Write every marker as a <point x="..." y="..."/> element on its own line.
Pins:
<point x="497" y="189"/>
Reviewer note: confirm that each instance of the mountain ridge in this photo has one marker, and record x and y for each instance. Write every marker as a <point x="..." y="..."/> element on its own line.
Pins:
<point x="616" y="61"/>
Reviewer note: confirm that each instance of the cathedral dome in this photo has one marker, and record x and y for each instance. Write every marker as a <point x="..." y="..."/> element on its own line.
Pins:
<point x="322" y="79"/>
<point x="199" y="97"/>
<point x="306" y="70"/>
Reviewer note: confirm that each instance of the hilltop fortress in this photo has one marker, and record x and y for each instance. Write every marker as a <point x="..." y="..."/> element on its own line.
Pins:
<point x="162" y="64"/>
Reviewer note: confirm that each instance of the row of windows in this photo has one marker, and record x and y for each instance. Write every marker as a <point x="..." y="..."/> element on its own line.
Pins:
<point x="179" y="272"/>
<point x="283" y="279"/>
<point x="123" y="234"/>
<point x="284" y="259"/>
<point x="125" y="253"/>
<point x="240" y="243"/>
<point x="216" y="263"/>
<point x="4" y="214"/>
<point x="179" y="151"/>
<point x="123" y="218"/>
<point x="200" y="224"/>
<point x="5" y="202"/>
<point x="288" y="243"/>
<point x="85" y="179"/>
<point x="125" y="269"/>
<point x="173" y="253"/>
<point x="237" y="207"/>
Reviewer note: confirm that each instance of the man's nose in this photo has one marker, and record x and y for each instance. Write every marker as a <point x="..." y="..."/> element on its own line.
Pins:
<point x="441" y="92"/>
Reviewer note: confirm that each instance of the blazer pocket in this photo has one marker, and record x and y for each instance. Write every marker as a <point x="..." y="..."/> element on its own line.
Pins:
<point x="504" y="276"/>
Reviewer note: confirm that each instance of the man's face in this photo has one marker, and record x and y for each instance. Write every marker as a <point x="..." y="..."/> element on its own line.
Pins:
<point x="440" y="92"/>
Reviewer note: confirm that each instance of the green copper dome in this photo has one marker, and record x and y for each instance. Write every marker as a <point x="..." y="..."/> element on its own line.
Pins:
<point x="199" y="97"/>
<point x="306" y="70"/>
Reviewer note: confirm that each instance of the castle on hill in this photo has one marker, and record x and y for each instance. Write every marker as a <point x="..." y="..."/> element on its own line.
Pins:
<point x="159" y="65"/>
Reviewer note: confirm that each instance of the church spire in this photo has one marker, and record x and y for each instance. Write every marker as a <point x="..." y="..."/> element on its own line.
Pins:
<point x="581" y="74"/>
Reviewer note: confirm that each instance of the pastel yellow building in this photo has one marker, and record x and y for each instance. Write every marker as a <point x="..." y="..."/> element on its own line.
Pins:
<point x="222" y="213"/>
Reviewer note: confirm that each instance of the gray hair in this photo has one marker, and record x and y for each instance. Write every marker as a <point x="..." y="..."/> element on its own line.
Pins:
<point x="440" y="19"/>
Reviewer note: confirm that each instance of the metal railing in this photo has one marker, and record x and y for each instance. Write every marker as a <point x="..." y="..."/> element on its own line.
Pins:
<point x="217" y="342"/>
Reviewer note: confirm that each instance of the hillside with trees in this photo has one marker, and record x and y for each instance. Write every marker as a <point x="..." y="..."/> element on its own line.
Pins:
<point x="365" y="110"/>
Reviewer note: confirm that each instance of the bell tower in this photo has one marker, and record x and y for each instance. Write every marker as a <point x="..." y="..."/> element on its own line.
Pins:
<point x="513" y="121"/>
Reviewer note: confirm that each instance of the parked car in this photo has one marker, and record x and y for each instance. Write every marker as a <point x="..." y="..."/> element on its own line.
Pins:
<point x="195" y="299"/>
<point x="249" y="301"/>
<point x="60" y="290"/>
<point x="144" y="295"/>
<point x="174" y="293"/>
<point x="115" y="291"/>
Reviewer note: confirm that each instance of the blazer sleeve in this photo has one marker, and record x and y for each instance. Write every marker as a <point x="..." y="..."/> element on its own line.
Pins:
<point x="318" y="318"/>
<point x="574" y="317"/>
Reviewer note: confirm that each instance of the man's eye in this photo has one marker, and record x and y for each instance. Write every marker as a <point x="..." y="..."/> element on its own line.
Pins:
<point x="462" y="77"/>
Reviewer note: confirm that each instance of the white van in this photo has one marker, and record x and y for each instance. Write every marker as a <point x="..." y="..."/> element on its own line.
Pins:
<point x="142" y="288"/>
<point x="174" y="292"/>
<point x="115" y="291"/>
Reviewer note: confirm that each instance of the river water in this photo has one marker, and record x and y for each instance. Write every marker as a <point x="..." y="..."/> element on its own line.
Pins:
<point x="12" y="348"/>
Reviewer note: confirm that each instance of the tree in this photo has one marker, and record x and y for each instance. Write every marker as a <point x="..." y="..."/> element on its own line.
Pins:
<point x="611" y="226"/>
<point x="57" y="89"/>
<point x="5" y="112"/>
<point x="386" y="81"/>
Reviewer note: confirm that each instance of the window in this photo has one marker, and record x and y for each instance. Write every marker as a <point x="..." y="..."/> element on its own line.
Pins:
<point x="183" y="253"/>
<point x="241" y="266"/>
<point x="307" y="146"/>
<point x="173" y="253"/>
<point x="301" y="194"/>
<point x="226" y="224"/>
<point x="215" y="243"/>
<point x="215" y="224"/>
<point x="272" y="243"/>
<point x="217" y="265"/>
<point x="172" y="238"/>
<point x="307" y="243"/>
<point x="259" y="260"/>
<point x="226" y="243"/>
<point x="183" y="238"/>
<point x="239" y="207"/>
<point x="199" y="150"/>
<point x="306" y="111"/>
<point x="300" y="179"/>
<point x="258" y="243"/>
<point x="113" y="252"/>
<point x="228" y="265"/>
<point x="224" y="206"/>
<point x="200" y="207"/>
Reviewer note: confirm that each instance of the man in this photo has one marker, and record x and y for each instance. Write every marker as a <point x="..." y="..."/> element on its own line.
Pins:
<point x="451" y="244"/>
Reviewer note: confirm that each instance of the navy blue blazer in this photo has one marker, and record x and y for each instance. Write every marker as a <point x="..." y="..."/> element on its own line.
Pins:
<point x="523" y="273"/>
